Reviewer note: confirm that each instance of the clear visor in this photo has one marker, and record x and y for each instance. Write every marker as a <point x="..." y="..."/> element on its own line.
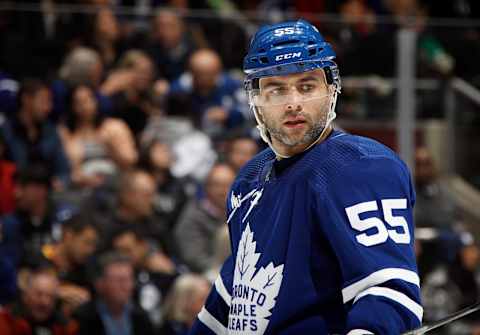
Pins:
<point x="298" y="87"/>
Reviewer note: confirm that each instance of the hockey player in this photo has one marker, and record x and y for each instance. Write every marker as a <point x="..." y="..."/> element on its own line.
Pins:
<point x="321" y="222"/>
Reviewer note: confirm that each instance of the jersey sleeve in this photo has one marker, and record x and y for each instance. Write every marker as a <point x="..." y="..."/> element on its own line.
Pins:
<point x="213" y="318"/>
<point x="365" y="213"/>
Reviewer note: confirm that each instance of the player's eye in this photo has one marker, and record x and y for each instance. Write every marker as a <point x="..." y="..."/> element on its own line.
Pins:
<point x="306" y="88"/>
<point x="278" y="91"/>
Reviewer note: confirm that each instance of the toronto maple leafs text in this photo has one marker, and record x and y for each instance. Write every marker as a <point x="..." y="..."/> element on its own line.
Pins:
<point x="242" y="315"/>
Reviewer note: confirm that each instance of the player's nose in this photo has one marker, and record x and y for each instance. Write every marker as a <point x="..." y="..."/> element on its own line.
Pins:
<point x="294" y="101"/>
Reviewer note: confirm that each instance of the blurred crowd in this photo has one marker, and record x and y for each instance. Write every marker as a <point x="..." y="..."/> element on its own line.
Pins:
<point x="122" y="131"/>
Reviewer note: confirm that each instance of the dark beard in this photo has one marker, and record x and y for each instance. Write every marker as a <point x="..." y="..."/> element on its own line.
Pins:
<point x="310" y="136"/>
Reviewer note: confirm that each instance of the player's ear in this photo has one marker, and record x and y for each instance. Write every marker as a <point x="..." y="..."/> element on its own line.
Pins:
<point x="260" y="113"/>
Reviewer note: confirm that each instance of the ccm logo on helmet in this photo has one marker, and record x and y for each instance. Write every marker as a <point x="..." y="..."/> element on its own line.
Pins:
<point x="288" y="56"/>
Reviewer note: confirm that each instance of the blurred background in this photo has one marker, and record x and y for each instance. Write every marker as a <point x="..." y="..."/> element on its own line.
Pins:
<point x="123" y="124"/>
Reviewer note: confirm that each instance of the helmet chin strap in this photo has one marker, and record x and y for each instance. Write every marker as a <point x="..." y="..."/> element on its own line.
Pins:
<point x="264" y="134"/>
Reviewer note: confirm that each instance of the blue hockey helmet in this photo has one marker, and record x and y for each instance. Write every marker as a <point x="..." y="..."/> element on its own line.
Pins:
<point x="289" y="47"/>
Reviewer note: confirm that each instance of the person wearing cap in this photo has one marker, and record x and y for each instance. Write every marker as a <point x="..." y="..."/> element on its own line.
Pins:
<point x="320" y="222"/>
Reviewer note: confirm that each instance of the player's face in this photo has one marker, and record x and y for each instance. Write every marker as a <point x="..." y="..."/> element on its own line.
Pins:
<point x="294" y="109"/>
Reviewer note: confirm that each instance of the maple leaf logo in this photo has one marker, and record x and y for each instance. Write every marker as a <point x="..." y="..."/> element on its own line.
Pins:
<point x="254" y="292"/>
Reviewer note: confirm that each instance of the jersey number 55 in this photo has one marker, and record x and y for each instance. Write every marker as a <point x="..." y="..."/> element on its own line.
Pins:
<point x="394" y="227"/>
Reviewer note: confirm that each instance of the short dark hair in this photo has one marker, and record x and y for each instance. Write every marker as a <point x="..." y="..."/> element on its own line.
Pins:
<point x="71" y="121"/>
<point x="81" y="221"/>
<point x="33" y="265"/>
<point x="138" y="230"/>
<point x="105" y="260"/>
<point x="37" y="262"/>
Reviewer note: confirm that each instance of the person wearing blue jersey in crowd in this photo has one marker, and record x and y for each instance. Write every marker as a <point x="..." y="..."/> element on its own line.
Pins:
<point x="216" y="99"/>
<point x="320" y="223"/>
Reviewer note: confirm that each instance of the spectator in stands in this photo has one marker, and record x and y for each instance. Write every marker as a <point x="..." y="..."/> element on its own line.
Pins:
<point x="184" y="302"/>
<point x="170" y="43"/>
<point x="357" y="16"/>
<point x="30" y="137"/>
<point x="112" y="312"/>
<point x="70" y="256"/>
<point x="171" y="194"/>
<point x="198" y="224"/>
<point x="433" y="207"/>
<point x="239" y="151"/>
<point x="97" y="146"/>
<point x="183" y="138"/>
<point x="131" y="96"/>
<point x="218" y="102"/>
<point x="133" y="205"/>
<point x="155" y="271"/>
<point x="35" y="311"/>
<point x="36" y="220"/>
<point x="357" y="24"/>
<point x="356" y="34"/>
<point x="135" y="195"/>
<point x="462" y="43"/>
<point x="413" y="14"/>
<point x="133" y="241"/>
<point x="454" y="286"/>
<point x="7" y="183"/>
<point x="104" y="36"/>
<point x="82" y="66"/>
